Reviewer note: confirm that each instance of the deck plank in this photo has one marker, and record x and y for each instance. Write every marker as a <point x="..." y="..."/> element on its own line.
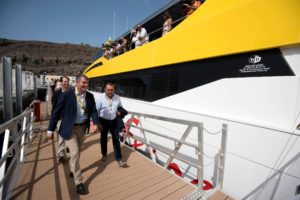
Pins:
<point x="41" y="177"/>
<point x="219" y="196"/>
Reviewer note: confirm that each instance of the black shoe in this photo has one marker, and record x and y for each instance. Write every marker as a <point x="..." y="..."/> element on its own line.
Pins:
<point x="71" y="175"/>
<point x="61" y="159"/>
<point x="81" y="189"/>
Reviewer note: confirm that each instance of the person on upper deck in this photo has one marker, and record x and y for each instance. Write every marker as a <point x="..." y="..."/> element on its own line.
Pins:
<point x="134" y="39"/>
<point x="121" y="46"/>
<point x="142" y="36"/>
<point x="167" y="26"/>
<point x="190" y="6"/>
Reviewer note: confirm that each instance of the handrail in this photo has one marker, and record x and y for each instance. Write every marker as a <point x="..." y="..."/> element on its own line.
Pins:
<point x="159" y="29"/>
<point x="178" y="143"/>
<point x="17" y="148"/>
<point x="253" y="124"/>
<point x="12" y="122"/>
<point x="173" y="22"/>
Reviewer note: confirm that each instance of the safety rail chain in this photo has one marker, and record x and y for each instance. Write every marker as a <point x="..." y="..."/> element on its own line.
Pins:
<point x="178" y="143"/>
<point x="16" y="149"/>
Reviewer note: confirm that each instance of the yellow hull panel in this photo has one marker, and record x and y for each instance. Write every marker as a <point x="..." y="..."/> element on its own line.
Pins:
<point x="217" y="28"/>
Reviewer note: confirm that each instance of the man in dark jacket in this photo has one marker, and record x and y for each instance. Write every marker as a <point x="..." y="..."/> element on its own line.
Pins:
<point x="61" y="142"/>
<point x="75" y="107"/>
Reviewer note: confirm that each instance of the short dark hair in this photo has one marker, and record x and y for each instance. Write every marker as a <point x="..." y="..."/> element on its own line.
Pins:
<point x="109" y="83"/>
<point x="80" y="76"/>
<point x="62" y="78"/>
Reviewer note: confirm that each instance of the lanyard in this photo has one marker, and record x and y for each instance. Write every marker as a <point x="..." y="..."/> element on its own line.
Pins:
<point x="81" y="101"/>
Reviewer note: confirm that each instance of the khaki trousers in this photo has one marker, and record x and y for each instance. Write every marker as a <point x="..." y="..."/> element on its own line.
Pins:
<point x="74" y="143"/>
<point x="61" y="143"/>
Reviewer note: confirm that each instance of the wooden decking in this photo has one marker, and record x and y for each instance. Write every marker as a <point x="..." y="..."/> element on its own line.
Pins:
<point x="41" y="177"/>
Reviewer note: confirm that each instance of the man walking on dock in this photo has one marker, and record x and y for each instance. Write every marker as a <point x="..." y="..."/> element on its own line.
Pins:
<point x="76" y="108"/>
<point x="107" y="106"/>
<point x="61" y="142"/>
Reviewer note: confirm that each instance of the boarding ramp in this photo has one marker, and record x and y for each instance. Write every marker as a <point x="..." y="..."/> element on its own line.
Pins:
<point x="34" y="172"/>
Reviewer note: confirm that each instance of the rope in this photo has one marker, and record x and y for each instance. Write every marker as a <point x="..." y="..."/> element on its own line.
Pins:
<point x="212" y="133"/>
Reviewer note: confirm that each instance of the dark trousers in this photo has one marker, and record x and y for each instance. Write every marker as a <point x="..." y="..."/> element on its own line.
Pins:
<point x="112" y="126"/>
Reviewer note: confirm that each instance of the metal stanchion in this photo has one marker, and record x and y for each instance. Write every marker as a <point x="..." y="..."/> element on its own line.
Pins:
<point x="19" y="92"/>
<point x="7" y="88"/>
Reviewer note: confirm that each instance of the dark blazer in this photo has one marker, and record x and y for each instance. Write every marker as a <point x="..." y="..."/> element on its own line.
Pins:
<point x="66" y="107"/>
<point x="54" y="98"/>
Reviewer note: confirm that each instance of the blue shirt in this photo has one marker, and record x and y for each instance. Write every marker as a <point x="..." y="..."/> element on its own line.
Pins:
<point x="107" y="108"/>
<point x="81" y="115"/>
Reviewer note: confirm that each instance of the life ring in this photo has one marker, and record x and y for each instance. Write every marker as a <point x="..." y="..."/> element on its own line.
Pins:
<point x="173" y="166"/>
<point x="135" y="142"/>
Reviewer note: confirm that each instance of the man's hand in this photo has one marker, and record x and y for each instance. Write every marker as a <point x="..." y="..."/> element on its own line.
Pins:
<point x="118" y="113"/>
<point x="50" y="135"/>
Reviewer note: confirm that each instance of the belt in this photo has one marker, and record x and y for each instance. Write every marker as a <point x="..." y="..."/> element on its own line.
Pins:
<point x="110" y="120"/>
<point x="83" y="123"/>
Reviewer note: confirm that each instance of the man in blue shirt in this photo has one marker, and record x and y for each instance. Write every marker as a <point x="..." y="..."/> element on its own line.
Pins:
<point x="107" y="105"/>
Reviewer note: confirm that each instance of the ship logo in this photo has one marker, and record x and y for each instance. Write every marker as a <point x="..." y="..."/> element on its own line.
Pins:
<point x="254" y="59"/>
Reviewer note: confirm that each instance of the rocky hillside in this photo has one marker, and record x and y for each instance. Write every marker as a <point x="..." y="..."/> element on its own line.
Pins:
<point x="36" y="56"/>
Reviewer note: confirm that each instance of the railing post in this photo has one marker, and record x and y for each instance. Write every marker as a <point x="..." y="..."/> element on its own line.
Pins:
<point x="178" y="145"/>
<point x="150" y="149"/>
<point x="19" y="95"/>
<point x="7" y="88"/>
<point x="200" y="157"/>
<point x="128" y="128"/>
<point x="23" y="140"/>
<point x="35" y="86"/>
<point x="3" y="166"/>
<point x="222" y="155"/>
<point x="30" y="128"/>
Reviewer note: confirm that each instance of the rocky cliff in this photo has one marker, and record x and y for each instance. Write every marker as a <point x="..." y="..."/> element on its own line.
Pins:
<point x="54" y="58"/>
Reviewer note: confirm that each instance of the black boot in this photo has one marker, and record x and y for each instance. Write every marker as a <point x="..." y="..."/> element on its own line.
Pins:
<point x="81" y="189"/>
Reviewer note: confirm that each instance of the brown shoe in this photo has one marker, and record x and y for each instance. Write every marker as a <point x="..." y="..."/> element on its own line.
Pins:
<point x="104" y="158"/>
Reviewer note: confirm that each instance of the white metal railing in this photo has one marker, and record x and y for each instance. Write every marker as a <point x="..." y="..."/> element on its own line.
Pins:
<point x="178" y="143"/>
<point x="16" y="149"/>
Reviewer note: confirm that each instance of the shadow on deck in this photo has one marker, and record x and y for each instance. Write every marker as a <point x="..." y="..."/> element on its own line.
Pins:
<point x="42" y="177"/>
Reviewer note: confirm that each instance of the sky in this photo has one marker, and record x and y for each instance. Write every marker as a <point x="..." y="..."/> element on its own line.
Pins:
<point x="72" y="21"/>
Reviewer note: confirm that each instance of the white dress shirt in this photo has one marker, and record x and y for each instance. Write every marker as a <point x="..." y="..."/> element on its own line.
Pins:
<point x="107" y="108"/>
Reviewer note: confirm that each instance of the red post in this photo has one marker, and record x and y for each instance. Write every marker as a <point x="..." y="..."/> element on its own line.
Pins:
<point x="37" y="110"/>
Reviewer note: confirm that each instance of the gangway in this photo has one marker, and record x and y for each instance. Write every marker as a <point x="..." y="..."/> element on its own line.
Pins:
<point x="38" y="175"/>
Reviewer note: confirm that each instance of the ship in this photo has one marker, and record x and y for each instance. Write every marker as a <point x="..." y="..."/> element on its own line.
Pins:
<point x="233" y="64"/>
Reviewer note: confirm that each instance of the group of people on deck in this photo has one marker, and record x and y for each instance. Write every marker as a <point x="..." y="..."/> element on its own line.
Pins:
<point x="72" y="110"/>
<point x="139" y="35"/>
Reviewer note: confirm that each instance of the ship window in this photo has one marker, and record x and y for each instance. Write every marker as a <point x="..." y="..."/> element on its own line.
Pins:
<point x="164" y="84"/>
